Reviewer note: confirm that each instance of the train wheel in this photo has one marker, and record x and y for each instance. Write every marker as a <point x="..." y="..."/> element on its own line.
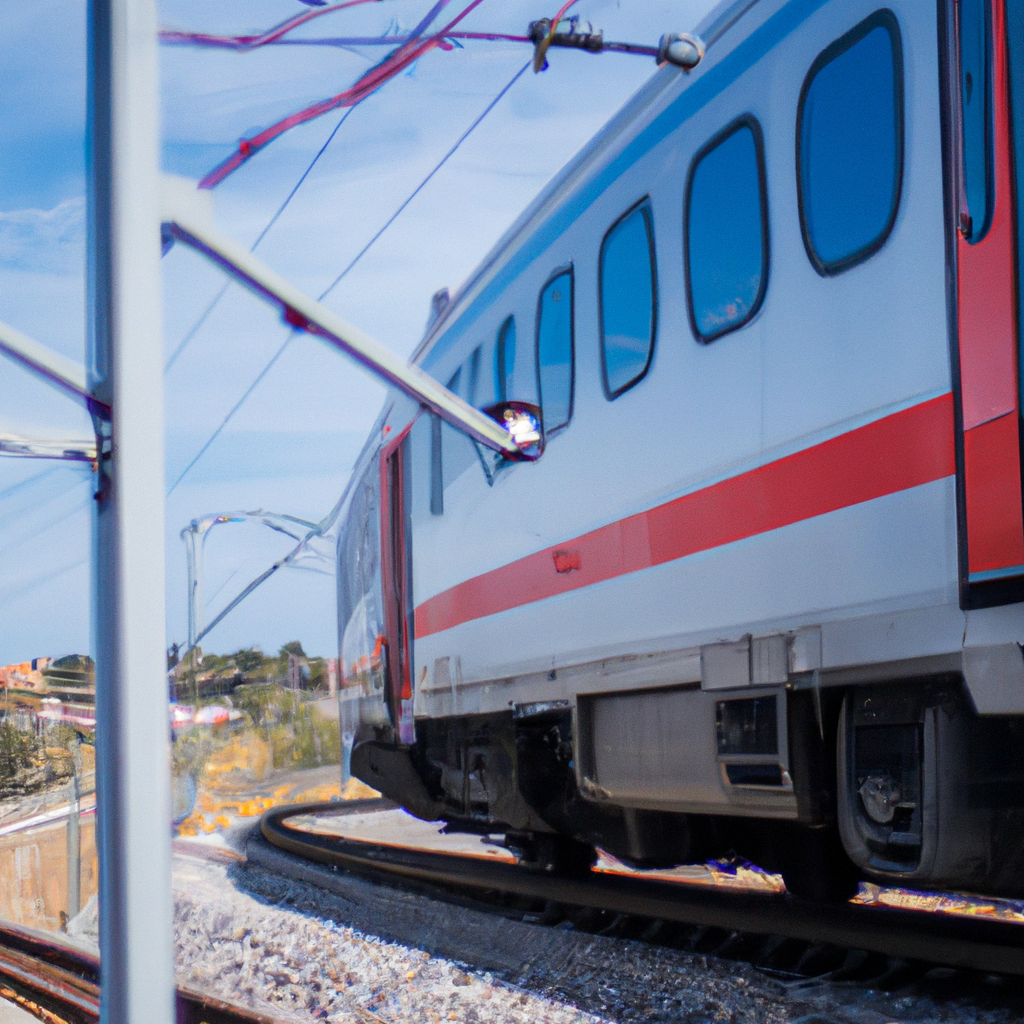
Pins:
<point x="556" y="854"/>
<point x="815" y="866"/>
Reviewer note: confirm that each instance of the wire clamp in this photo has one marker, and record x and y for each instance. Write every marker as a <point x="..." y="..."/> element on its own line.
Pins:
<point x="543" y="35"/>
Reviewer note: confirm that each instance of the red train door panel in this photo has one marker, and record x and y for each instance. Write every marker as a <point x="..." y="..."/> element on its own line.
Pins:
<point x="991" y="514"/>
<point x="396" y="571"/>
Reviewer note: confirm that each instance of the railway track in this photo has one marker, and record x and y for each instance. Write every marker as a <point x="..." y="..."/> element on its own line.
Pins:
<point x="796" y="943"/>
<point x="758" y="922"/>
<point x="60" y="984"/>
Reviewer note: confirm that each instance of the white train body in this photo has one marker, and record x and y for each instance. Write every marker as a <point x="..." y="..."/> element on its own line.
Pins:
<point x="804" y="501"/>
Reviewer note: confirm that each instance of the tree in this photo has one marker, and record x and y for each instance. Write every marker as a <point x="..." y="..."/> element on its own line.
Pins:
<point x="248" y="659"/>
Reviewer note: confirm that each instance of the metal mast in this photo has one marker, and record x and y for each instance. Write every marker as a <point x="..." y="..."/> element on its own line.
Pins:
<point x="125" y="381"/>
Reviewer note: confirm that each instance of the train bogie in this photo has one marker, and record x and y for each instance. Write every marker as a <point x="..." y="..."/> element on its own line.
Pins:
<point x="761" y="590"/>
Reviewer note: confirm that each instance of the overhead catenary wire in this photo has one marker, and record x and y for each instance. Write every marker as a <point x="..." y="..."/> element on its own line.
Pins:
<point x="277" y="355"/>
<point x="283" y="26"/>
<point x="201" y="39"/>
<point x="253" y="41"/>
<point x="326" y="523"/>
<point x="238" y="405"/>
<point x="183" y="344"/>
<point x="39" y="581"/>
<point x="391" y="65"/>
<point x="419" y="188"/>
<point x="411" y="47"/>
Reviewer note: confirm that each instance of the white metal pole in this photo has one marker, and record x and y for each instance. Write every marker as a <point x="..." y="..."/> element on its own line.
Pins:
<point x="126" y="376"/>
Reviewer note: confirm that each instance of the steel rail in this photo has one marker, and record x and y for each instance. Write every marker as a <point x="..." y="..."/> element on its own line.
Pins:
<point x="60" y="984"/>
<point x="965" y="942"/>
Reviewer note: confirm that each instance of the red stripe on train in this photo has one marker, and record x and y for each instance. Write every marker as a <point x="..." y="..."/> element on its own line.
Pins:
<point x="908" y="448"/>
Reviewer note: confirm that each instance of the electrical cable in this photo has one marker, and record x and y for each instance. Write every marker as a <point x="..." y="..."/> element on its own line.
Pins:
<point x="419" y="188"/>
<point x="8" y="595"/>
<point x="30" y="497"/>
<point x="250" y="42"/>
<point x="9" y="492"/>
<point x="238" y="405"/>
<point x="252" y="387"/>
<point x="390" y="66"/>
<point x="411" y="49"/>
<point x="273" y="220"/>
<point x="325" y="524"/>
<point x="56" y="518"/>
<point x="236" y="42"/>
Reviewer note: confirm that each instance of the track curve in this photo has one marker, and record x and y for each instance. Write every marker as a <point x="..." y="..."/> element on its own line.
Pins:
<point x="966" y="942"/>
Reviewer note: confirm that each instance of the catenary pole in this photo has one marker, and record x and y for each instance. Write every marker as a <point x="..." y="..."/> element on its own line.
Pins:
<point x="125" y="380"/>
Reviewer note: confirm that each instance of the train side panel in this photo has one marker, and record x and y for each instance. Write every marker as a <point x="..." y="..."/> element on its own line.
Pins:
<point x="726" y="607"/>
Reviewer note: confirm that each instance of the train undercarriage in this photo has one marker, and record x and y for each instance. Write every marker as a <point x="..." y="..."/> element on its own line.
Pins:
<point x="901" y="783"/>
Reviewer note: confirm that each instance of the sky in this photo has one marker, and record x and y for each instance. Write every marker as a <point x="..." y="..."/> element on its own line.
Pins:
<point x="290" y="446"/>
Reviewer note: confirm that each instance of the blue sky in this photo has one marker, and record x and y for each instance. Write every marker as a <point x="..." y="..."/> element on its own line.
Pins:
<point x="291" y="445"/>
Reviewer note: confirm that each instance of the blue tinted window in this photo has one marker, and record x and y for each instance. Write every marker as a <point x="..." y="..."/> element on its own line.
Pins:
<point x="851" y="145"/>
<point x="628" y="300"/>
<point x="456" y="449"/>
<point x="505" y="361"/>
<point x="975" y="106"/>
<point x="727" y="233"/>
<point x="555" y="351"/>
<point x="478" y="392"/>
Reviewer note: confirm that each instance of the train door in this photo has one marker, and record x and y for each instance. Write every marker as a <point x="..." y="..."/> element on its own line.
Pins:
<point x="986" y="76"/>
<point x="396" y="571"/>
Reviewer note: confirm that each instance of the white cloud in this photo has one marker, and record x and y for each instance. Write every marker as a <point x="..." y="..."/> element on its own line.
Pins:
<point x="51" y="241"/>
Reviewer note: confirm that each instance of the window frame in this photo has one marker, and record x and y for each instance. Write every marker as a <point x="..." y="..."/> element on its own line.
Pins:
<point x="882" y="18"/>
<point x="978" y="229"/>
<point x="746" y="120"/>
<point x="645" y="206"/>
<point x="569" y="269"/>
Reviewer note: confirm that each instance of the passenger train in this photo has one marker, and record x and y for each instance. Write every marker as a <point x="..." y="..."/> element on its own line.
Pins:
<point x="762" y="590"/>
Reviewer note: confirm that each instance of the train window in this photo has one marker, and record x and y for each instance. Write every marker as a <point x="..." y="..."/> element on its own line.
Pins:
<point x="850" y="145"/>
<point x="975" y="46"/>
<point x="470" y="377"/>
<point x="436" y="467"/>
<point x="555" y="350"/>
<point x="456" y="450"/>
<point x="726" y="231"/>
<point x="505" y="360"/>
<point x="628" y="299"/>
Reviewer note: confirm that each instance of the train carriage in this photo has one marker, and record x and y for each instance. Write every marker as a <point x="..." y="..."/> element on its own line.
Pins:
<point x="762" y="589"/>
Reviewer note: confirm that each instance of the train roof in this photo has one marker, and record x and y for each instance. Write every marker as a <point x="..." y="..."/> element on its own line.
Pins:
<point x="711" y="28"/>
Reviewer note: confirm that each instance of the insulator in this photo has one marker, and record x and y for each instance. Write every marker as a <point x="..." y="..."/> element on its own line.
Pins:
<point x="681" y="49"/>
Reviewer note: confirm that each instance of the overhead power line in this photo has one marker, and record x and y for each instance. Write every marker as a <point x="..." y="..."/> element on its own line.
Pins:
<point x="291" y="558"/>
<point x="391" y="65"/>
<point x="419" y="188"/>
<point x="277" y="355"/>
<point x="270" y="223"/>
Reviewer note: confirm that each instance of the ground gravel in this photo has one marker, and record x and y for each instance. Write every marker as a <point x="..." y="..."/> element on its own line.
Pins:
<point x="553" y="975"/>
<point x="312" y="949"/>
<point x="258" y="950"/>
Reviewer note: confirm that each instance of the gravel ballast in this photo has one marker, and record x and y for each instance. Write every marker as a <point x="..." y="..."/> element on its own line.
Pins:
<point x="286" y="943"/>
<point x="239" y="947"/>
<point x="299" y="941"/>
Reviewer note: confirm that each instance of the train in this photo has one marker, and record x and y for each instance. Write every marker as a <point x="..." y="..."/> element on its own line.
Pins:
<point x="759" y="588"/>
